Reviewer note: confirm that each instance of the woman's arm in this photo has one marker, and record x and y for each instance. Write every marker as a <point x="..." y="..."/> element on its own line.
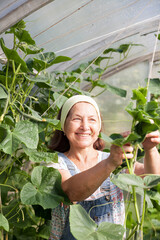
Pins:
<point x="82" y="185"/>
<point x="152" y="157"/>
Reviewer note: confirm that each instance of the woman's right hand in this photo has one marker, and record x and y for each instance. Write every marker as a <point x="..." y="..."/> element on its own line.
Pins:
<point x="117" y="155"/>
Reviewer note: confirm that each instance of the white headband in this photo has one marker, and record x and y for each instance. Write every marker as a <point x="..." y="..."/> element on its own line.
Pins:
<point x="73" y="100"/>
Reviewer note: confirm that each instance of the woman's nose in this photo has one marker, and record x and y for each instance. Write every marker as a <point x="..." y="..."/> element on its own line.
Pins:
<point x="84" y="124"/>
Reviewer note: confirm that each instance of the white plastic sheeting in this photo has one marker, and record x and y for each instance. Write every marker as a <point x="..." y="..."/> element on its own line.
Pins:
<point x="83" y="29"/>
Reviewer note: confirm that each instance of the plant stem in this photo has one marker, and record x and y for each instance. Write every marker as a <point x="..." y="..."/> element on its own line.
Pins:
<point x="143" y="213"/>
<point x="135" y="204"/>
<point x="133" y="232"/>
<point x="6" y="107"/>
<point x="5" y="185"/>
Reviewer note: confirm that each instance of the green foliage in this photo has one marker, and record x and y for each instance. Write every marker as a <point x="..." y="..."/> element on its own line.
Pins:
<point x="83" y="227"/>
<point x="30" y="99"/>
<point x="43" y="189"/>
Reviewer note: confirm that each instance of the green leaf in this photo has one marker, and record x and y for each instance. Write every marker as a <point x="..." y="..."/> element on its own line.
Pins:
<point x="27" y="133"/>
<point x="20" y="25"/>
<point x="124" y="181"/>
<point x="24" y="132"/>
<point x="152" y="180"/>
<point x="54" y="122"/>
<point x="30" y="49"/>
<point x="43" y="189"/>
<point x="140" y="95"/>
<point x="36" y="156"/>
<point x="3" y="94"/>
<point x="60" y="59"/>
<point x="100" y="59"/>
<point x="124" y="47"/>
<point x="17" y="178"/>
<point x="142" y="128"/>
<point x="154" y="195"/>
<point x="39" y="78"/>
<point x="130" y="221"/>
<point x="24" y="36"/>
<point x="45" y="60"/>
<point x="151" y="108"/>
<point x="83" y="227"/>
<point x="111" y="50"/>
<point x="59" y="99"/>
<point x="154" y="86"/>
<point x="109" y="231"/>
<point x="12" y="54"/>
<point x="118" y="91"/>
<point x="105" y="137"/>
<point x="119" y="140"/>
<point x="4" y="222"/>
<point x="8" y="142"/>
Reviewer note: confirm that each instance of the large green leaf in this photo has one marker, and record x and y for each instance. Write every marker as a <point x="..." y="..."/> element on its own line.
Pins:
<point x="83" y="227"/>
<point x="36" y="156"/>
<point x="124" y="181"/>
<point x="43" y="189"/>
<point x="24" y="132"/>
<point x="12" y="54"/>
<point x="27" y="133"/>
<point x="4" y="222"/>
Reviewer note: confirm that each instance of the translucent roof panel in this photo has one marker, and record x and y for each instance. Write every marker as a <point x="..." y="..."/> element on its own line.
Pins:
<point x="83" y="29"/>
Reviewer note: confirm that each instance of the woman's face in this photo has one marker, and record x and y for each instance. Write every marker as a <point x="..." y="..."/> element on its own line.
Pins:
<point x="82" y="125"/>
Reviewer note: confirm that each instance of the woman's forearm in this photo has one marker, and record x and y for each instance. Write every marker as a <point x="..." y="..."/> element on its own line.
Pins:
<point x="82" y="185"/>
<point x="152" y="161"/>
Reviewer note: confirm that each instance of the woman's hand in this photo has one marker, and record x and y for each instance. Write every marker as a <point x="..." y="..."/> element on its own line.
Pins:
<point x="152" y="140"/>
<point x="117" y="154"/>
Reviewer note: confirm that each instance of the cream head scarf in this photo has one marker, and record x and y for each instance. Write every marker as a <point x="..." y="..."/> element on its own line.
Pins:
<point x="73" y="100"/>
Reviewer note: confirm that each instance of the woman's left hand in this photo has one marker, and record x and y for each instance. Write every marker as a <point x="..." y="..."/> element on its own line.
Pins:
<point x="151" y="140"/>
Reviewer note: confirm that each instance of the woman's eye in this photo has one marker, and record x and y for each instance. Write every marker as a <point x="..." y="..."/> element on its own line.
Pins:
<point x="76" y="118"/>
<point x="92" y="120"/>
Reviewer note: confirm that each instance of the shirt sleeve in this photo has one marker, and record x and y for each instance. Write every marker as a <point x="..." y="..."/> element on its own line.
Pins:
<point x="61" y="165"/>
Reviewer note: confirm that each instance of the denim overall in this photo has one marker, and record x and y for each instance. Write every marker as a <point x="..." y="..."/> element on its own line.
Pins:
<point x="100" y="210"/>
<point x="107" y="205"/>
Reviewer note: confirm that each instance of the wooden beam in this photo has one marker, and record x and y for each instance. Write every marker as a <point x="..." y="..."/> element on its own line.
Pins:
<point x="21" y="12"/>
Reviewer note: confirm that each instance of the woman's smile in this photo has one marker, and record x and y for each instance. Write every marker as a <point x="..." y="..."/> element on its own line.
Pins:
<point x="82" y="125"/>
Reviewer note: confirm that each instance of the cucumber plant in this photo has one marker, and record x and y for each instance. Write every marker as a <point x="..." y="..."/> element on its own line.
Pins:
<point x="30" y="99"/>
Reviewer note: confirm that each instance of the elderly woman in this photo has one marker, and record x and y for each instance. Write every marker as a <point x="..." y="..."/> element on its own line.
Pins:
<point x="85" y="169"/>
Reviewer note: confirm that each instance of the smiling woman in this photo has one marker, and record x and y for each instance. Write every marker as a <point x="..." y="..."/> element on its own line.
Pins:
<point x="86" y="170"/>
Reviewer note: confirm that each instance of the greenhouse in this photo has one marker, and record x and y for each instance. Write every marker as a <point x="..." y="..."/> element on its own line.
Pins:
<point x="108" y="53"/>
